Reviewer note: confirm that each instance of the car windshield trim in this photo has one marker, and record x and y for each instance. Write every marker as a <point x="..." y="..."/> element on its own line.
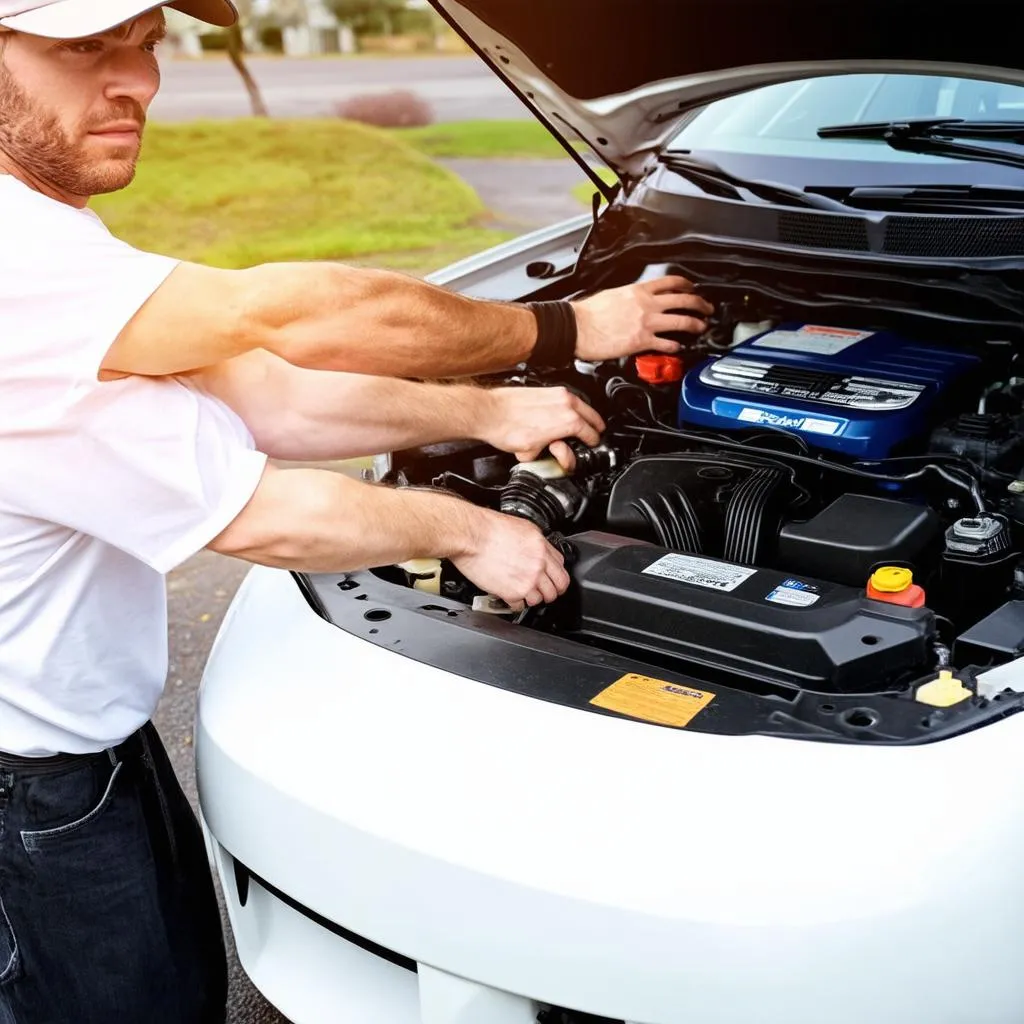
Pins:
<point x="995" y="199"/>
<point x="937" y="137"/>
<point x="717" y="180"/>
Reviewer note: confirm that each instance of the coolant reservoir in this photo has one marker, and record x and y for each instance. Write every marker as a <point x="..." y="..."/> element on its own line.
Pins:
<point x="895" y="585"/>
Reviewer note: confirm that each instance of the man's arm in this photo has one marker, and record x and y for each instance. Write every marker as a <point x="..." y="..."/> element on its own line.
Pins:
<point x="332" y="317"/>
<point x="312" y="520"/>
<point x="313" y="415"/>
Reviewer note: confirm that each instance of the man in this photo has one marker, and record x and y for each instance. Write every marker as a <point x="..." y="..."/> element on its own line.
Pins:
<point x="140" y="399"/>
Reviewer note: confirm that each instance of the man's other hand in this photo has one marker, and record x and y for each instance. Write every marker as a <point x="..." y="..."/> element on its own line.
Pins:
<point x="625" y="321"/>
<point x="527" y="420"/>
<point x="510" y="558"/>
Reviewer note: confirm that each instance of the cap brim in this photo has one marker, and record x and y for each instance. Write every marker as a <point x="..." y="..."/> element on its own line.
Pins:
<point x="74" y="19"/>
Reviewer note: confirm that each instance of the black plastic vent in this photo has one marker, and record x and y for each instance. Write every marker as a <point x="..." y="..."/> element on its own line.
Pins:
<point x="955" y="237"/>
<point x="817" y="231"/>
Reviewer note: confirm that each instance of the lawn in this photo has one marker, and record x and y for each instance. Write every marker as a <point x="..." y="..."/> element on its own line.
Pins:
<point x="237" y="193"/>
<point x="483" y="139"/>
<point x="585" y="192"/>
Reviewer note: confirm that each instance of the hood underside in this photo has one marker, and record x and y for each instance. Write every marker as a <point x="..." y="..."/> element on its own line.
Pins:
<point x="621" y="75"/>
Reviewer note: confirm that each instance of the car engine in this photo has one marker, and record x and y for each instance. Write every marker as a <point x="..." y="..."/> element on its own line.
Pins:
<point x="786" y="506"/>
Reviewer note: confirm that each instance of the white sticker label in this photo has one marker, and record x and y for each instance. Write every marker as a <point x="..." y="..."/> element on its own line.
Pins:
<point x="794" y="598"/>
<point x="822" y="341"/>
<point x="794" y="593"/>
<point x="816" y="426"/>
<point x="701" y="572"/>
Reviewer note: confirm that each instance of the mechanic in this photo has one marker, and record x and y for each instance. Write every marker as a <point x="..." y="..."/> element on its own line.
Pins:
<point x="142" y="397"/>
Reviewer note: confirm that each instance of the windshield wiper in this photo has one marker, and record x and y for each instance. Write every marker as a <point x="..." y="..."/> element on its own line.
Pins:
<point x="937" y="136"/>
<point x="718" y="181"/>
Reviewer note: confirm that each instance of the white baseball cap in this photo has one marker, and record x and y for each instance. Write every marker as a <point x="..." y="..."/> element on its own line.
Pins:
<point x="74" y="19"/>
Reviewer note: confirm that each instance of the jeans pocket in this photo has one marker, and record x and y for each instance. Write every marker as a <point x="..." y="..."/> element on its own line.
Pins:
<point x="34" y="840"/>
<point x="8" y="947"/>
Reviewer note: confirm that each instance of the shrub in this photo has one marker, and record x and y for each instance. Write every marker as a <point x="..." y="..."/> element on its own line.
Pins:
<point x="398" y="109"/>
<point x="272" y="38"/>
<point x="213" y="42"/>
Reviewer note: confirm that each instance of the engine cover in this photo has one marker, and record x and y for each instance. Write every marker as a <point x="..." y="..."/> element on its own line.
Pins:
<point x="862" y="393"/>
<point x="723" y="620"/>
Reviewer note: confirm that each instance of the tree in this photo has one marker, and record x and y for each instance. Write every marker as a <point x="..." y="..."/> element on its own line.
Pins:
<point x="236" y="54"/>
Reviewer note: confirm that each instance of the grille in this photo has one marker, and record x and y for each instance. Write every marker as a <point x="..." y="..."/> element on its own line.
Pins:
<point x="957" y="237"/>
<point x="949" y="237"/>
<point x="814" y="231"/>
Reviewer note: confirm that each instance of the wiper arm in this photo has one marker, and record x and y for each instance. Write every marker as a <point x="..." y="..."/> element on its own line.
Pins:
<point x="719" y="181"/>
<point x="937" y="136"/>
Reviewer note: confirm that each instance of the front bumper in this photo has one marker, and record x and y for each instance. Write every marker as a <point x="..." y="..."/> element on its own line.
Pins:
<point x="521" y="854"/>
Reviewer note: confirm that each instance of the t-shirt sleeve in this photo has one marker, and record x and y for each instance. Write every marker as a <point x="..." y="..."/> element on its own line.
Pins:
<point x="152" y="466"/>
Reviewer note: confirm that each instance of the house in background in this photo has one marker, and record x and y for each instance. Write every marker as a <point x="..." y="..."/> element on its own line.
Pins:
<point x="317" y="31"/>
<point x="307" y="28"/>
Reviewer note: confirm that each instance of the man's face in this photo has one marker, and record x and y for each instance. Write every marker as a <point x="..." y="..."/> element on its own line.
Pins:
<point x="72" y="111"/>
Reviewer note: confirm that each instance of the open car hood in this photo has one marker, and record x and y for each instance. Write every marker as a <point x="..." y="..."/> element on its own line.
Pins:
<point x="621" y="75"/>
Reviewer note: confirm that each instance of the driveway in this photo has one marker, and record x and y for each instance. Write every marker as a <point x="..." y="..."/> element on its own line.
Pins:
<point x="523" y="194"/>
<point x="458" y="88"/>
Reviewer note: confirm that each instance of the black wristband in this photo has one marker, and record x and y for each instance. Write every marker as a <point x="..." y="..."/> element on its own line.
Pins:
<point x="555" y="348"/>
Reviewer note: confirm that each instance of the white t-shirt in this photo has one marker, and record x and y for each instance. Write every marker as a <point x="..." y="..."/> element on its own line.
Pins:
<point x="104" y="487"/>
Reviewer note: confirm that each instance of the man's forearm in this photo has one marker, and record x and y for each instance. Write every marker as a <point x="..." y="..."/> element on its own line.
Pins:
<point x="331" y="317"/>
<point x="316" y="521"/>
<point x="311" y="415"/>
<point x="355" y="415"/>
<point x="313" y="520"/>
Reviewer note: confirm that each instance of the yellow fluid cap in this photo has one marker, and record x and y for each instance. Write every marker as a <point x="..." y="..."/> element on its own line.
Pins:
<point x="891" y="579"/>
<point x="943" y="692"/>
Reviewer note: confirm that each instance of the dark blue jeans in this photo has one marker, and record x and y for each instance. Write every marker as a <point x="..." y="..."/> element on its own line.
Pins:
<point x="107" y="906"/>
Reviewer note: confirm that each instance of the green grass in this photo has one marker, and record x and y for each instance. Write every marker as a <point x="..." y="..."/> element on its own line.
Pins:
<point x="585" y="192"/>
<point x="483" y="139"/>
<point x="238" y="193"/>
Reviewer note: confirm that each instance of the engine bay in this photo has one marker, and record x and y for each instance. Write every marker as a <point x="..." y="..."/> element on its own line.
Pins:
<point x="785" y="507"/>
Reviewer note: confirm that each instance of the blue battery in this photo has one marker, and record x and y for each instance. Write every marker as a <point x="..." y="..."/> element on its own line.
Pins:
<point x="861" y="393"/>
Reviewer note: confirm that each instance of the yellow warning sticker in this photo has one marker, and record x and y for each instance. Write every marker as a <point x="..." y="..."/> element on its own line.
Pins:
<point x="653" y="700"/>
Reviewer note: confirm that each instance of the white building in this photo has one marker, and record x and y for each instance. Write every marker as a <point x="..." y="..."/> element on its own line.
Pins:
<point x="310" y="29"/>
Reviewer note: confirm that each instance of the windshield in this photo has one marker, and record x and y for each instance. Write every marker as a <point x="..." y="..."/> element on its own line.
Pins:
<point x="782" y="120"/>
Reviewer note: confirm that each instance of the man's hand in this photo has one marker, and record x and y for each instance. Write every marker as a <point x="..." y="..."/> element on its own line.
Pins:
<point x="526" y="420"/>
<point x="624" y="321"/>
<point x="316" y="520"/>
<point x="510" y="558"/>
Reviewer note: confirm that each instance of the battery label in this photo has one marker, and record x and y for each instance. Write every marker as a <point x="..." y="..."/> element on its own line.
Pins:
<point x="700" y="572"/>
<point x="823" y="341"/>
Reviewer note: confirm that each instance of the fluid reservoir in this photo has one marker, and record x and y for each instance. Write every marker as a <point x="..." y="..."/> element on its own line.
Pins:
<point x="895" y="585"/>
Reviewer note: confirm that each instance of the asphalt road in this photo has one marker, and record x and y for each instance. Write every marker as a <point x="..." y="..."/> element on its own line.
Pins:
<point x="457" y="88"/>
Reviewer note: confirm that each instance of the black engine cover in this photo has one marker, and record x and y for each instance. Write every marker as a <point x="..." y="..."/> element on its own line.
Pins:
<point x="733" y="622"/>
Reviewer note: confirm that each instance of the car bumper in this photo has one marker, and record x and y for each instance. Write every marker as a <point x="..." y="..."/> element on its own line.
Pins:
<point x="517" y="853"/>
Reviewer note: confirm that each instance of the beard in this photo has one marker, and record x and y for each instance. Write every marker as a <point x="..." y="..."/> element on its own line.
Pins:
<point x="35" y="140"/>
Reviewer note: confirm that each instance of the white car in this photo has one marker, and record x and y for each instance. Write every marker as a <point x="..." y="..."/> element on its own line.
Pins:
<point x="764" y="762"/>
